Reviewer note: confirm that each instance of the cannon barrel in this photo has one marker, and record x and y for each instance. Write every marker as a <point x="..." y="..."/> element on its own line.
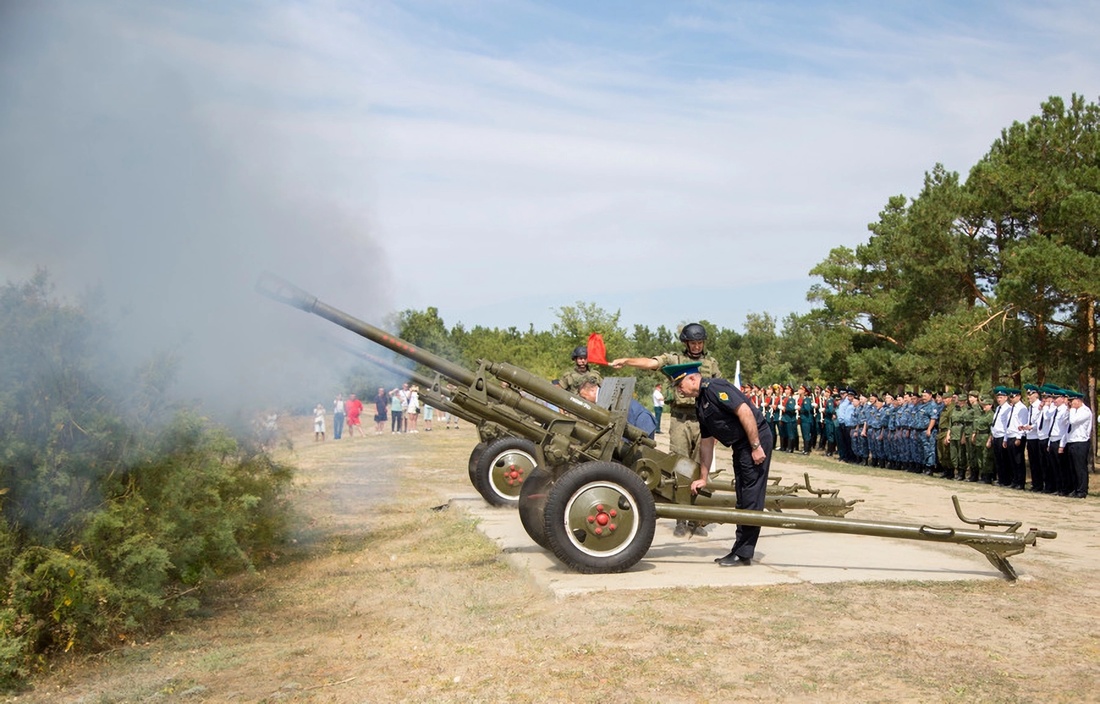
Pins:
<point x="281" y="290"/>
<point x="485" y="392"/>
<point x="431" y="392"/>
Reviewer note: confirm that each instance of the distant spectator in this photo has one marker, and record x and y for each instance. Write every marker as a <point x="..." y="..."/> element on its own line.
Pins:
<point x="318" y="422"/>
<point x="658" y="405"/>
<point x="398" y="404"/>
<point x="338" y="417"/>
<point x="381" y="403"/>
<point x="412" y="410"/>
<point x="353" y="408"/>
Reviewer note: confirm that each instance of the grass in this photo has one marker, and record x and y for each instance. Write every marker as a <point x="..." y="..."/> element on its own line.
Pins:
<point x="384" y="599"/>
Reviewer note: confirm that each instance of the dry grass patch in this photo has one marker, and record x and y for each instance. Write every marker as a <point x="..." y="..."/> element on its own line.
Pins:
<point x="385" y="599"/>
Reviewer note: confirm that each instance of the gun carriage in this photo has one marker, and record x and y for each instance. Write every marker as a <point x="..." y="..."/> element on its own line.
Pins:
<point x="590" y="487"/>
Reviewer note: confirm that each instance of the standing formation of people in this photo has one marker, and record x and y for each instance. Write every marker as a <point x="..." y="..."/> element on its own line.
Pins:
<point x="1003" y="438"/>
<point x="401" y="406"/>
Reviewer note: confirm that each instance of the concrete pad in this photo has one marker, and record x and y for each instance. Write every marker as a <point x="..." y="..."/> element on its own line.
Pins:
<point x="782" y="557"/>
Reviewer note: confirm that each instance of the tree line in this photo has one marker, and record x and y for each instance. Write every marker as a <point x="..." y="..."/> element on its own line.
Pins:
<point x="967" y="285"/>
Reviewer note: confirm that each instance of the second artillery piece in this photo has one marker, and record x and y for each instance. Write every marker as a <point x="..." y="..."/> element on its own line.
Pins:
<point x="501" y="462"/>
<point x="595" y="485"/>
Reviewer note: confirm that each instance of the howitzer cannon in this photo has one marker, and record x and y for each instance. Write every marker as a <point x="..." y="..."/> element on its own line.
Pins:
<point x="501" y="462"/>
<point x="598" y="485"/>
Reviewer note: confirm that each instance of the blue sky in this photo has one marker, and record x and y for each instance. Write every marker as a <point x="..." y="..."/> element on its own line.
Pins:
<point x="497" y="160"/>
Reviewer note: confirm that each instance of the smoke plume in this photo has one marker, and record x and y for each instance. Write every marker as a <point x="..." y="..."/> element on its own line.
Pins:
<point x="124" y="170"/>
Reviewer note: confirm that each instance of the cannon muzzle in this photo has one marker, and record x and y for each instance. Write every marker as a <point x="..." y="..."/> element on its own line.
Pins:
<point x="281" y="290"/>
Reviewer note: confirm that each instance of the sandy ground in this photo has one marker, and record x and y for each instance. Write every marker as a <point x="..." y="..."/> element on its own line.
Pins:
<point x="396" y="589"/>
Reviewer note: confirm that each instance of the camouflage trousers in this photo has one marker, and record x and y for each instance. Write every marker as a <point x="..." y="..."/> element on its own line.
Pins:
<point x="684" y="437"/>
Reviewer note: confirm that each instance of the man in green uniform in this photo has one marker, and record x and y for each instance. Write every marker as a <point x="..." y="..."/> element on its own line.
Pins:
<point x="983" y="449"/>
<point x="683" y="430"/>
<point x="954" y="420"/>
<point x="572" y="380"/>
<point x="971" y="415"/>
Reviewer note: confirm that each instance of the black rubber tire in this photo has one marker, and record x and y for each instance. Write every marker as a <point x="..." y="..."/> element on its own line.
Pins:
<point x="532" y="505"/>
<point x="599" y="518"/>
<point x="475" y="454"/>
<point x="503" y="468"/>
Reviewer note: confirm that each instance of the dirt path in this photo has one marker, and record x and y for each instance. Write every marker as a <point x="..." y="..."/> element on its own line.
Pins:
<point x="382" y="598"/>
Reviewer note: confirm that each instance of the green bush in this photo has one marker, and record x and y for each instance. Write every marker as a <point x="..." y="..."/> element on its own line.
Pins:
<point x="109" y="528"/>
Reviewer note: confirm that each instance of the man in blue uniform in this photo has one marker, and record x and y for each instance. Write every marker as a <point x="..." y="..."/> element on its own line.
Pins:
<point x="928" y="414"/>
<point x="636" y="414"/>
<point x="726" y="415"/>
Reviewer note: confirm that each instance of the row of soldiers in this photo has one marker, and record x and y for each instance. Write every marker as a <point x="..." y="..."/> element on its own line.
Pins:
<point x="995" y="438"/>
<point x="878" y="429"/>
<point x="972" y="438"/>
<point x="798" y="413"/>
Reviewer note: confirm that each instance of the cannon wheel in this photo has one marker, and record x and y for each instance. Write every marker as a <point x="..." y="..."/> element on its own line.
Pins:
<point x="532" y="505"/>
<point x="503" y="467"/>
<point x="599" y="518"/>
<point x="475" y="454"/>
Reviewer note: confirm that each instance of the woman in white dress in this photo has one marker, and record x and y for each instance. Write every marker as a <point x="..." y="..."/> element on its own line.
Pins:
<point x="413" y="412"/>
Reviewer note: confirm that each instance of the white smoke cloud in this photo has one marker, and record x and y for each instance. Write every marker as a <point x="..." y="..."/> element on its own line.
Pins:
<point x="121" y="175"/>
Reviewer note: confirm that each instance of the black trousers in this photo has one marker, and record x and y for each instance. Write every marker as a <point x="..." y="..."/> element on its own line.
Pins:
<point x="1079" y="459"/>
<point x="1002" y="469"/>
<point x="1065" y="470"/>
<point x="844" y="442"/>
<point x="1052" y="478"/>
<point x="1035" y="464"/>
<point x="1016" y="458"/>
<point x="751" y="481"/>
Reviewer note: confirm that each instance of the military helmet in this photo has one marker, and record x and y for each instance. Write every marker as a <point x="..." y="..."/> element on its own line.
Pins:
<point x="580" y="351"/>
<point x="693" y="331"/>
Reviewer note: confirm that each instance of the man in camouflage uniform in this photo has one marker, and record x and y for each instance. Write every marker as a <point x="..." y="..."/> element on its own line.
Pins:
<point x="983" y="443"/>
<point x="954" y="422"/>
<point x="572" y="380"/>
<point x="971" y="417"/>
<point x="683" y="428"/>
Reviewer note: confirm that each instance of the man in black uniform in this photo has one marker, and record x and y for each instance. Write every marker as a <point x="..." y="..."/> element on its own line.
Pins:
<point x="726" y="415"/>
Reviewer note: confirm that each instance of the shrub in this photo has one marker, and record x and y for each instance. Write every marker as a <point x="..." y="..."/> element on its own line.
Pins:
<point x="108" y="528"/>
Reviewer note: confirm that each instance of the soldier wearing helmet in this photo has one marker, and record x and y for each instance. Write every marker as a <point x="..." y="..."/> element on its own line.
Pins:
<point x="683" y="433"/>
<point x="572" y="380"/>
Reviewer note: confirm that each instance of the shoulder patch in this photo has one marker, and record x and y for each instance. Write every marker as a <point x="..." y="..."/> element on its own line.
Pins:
<point x="723" y="396"/>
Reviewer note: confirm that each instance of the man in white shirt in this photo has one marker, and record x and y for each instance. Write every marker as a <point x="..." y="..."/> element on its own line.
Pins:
<point x="1048" y="459"/>
<point x="1002" y="468"/>
<point x="1059" y="425"/>
<point x="1031" y="437"/>
<point x="1014" y="439"/>
<point x="1076" y="442"/>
